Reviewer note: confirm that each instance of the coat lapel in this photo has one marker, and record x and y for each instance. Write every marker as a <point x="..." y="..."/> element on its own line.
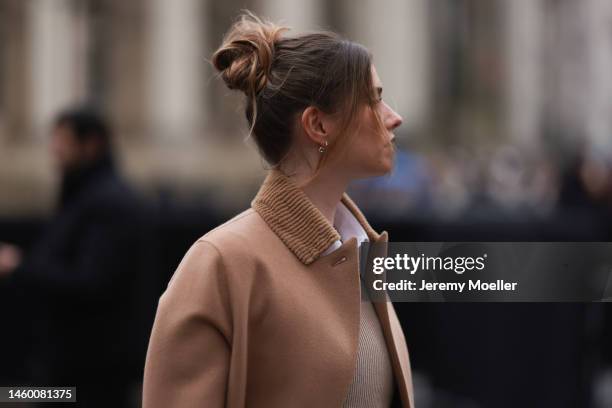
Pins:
<point x="340" y="286"/>
<point x="392" y="330"/>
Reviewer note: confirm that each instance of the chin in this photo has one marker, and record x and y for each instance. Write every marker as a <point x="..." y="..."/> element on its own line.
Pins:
<point x="387" y="169"/>
<point x="382" y="169"/>
<point x="387" y="165"/>
<point x="376" y="168"/>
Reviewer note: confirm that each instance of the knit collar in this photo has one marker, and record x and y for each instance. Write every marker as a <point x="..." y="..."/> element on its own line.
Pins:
<point x="296" y="221"/>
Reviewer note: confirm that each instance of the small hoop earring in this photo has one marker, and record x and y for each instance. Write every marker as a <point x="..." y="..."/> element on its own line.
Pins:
<point x="323" y="148"/>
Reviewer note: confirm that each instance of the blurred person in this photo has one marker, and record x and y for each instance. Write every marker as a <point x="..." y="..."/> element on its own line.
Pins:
<point x="265" y="310"/>
<point x="81" y="273"/>
<point x="10" y="258"/>
<point x="582" y="181"/>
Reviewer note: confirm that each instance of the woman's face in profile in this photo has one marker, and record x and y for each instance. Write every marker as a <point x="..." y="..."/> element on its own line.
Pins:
<point x="371" y="151"/>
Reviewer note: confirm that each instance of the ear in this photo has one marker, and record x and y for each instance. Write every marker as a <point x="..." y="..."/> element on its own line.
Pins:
<point x="316" y="125"/>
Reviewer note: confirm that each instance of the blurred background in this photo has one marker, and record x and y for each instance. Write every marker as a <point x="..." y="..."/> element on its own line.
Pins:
<point x="507" y="136"/>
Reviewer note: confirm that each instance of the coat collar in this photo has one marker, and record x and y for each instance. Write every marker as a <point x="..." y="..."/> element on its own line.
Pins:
<point x="297" y="222"/>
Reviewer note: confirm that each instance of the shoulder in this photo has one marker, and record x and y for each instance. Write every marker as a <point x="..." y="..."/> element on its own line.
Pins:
<point x="229" y="249"/>
<point x="246" y="228"/>
<point x="237" y="240"/>
<point x="218" y="269"/>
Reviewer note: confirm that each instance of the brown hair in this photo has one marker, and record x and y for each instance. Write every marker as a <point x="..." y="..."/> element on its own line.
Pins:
<point x="281" y="76"/>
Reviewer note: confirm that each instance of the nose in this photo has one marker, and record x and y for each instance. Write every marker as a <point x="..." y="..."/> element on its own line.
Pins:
<point x="393" y="119"/>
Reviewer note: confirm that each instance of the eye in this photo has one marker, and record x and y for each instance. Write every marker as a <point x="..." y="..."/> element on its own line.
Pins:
<point x="379" y="92"/>
<point x="378" y="104"/>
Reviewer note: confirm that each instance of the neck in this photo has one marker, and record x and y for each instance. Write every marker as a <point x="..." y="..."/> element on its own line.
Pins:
<point x="324" y="191"/>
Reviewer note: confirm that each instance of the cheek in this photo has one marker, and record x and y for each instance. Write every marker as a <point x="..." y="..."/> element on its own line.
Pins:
<point x="57" y="150"/>
<point x="370" y="156"/>
<point x="65" y="154"/>
<point x="382" y="153"/>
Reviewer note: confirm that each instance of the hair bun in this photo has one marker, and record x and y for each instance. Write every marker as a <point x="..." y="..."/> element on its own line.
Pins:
<point x="245" y="57"/>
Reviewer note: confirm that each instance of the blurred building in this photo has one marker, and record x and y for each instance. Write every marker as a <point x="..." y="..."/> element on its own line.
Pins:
<point x="468" y="73"/>
<point x="500" y="99"/>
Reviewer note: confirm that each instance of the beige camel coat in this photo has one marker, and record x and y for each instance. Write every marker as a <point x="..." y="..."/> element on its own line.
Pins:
<point x="256" y="316"/>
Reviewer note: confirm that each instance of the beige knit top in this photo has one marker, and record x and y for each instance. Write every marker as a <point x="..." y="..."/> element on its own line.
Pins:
<point x="372" y="384"/>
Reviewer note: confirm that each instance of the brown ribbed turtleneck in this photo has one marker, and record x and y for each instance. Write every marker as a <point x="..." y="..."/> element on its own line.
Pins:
<point x="298" y="223"/>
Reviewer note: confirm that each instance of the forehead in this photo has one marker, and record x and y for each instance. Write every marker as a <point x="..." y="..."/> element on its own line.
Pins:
<point x="375" y="78"/>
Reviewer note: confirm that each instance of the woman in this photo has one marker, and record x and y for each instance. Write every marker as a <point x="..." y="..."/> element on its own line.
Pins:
<point x="265" y="310"/>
